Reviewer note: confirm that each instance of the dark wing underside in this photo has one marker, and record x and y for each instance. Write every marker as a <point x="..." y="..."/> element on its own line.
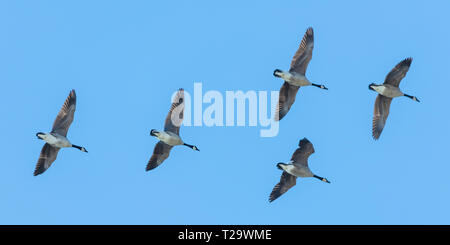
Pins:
<point x="47" y="157"/>
<point x="302" y="153"/>
<point x="65" y="115"/>
<point x="380" y="114"/>
<point x="286" y="99"/>
<point x="160" y="153"/>
<point x="175" y="116"/>
<point x="398" y="72"/>
<point x="287" y="181"/>
<point x="303" y="55"/>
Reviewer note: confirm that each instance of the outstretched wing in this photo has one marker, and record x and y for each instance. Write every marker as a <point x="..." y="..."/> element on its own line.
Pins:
<point x="398" y="72"/>
<point x="287" y="181"/>
<point x="303" y="55"/>
<point x="302" y="153"/>
<point x="160" y="153"/>
<point x="380" y="114"/>
<point x="286" y="99"/>
<point x="65" y="115"/>
<point x="175" y="116"/>
<point x="47" y="157"/>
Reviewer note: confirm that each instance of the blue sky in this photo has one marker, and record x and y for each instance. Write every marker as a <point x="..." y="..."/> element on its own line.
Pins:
<point x="126" y="58"/>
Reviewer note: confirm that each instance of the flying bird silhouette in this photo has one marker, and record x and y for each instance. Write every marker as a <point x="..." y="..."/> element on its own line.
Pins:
<point x="56" y="139"/>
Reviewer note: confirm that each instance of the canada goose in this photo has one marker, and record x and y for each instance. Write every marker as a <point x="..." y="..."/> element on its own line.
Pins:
<point x="170" y="136"/>
<point x="388" y="90"/>
<point x="295" y="78"/>
<point x="56" y="139"/>
<point x="297" y="167"/>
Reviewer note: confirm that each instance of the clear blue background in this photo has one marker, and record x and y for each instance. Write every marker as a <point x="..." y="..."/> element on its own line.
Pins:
<point x="126" y="58"/>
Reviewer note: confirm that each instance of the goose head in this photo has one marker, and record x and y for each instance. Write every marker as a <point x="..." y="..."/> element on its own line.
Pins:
<point x="326" y="180"/>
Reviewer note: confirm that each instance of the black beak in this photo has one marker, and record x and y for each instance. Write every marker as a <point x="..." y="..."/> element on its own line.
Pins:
<point x="37" y="135"/>
<point x="371" y="87"/>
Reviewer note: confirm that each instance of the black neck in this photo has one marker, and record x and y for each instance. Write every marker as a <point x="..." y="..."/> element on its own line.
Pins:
<point x="79" y="148"/>
<point x="188" y="145"/>
<point x="319" y="86"/>
<point x="411" y="97"/>
<point x="321" y="178"/>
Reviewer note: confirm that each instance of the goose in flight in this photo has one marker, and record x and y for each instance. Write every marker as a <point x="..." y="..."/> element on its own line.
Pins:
<point x="297" y="167"/>
<point x="170" y="136"/>
<point x="295" y="77"/>
<point x="56" y="139"/>
<point x="386" y="92"/>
